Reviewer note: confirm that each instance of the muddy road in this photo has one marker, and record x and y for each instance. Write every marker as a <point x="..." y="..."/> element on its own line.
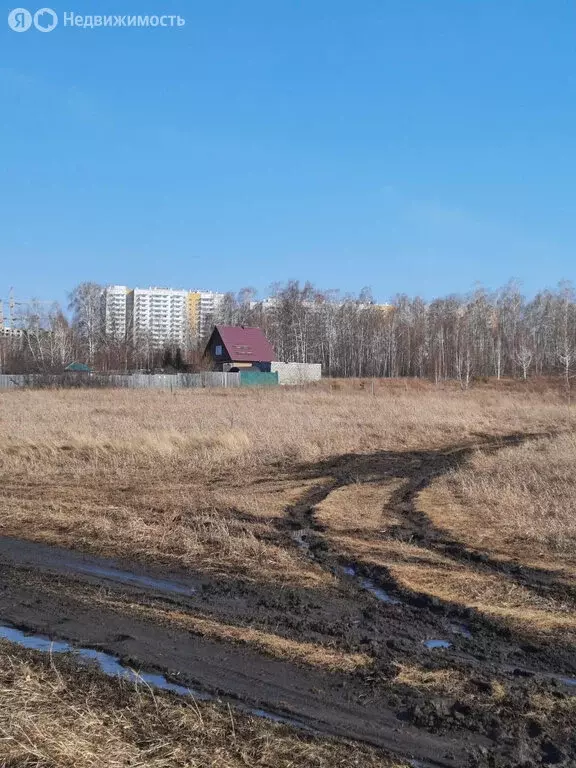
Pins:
<point x="145" y="616"/>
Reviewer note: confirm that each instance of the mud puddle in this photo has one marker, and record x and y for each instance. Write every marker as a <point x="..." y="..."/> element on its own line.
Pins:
<point x="462" y="630"/>
<point x="301" y="538"/>
<point x="17" y="552"/>
<point x="433" y="644"/>
<point x="365" y="708"/>
<point x="111" y="666"/>
<point x="168" y="657"/>
<point x="134" y="579"/>
<point x="370" y="586"/>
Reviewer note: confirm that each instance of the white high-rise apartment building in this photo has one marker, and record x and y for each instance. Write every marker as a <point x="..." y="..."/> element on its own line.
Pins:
<point x="115" y="310"/>
<point x="203" y="307"/>
<point x="160" y="315"/>
<point x="208" y="306"/>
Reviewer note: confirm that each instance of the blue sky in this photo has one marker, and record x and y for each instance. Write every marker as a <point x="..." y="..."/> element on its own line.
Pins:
<point x="409" y="145"/>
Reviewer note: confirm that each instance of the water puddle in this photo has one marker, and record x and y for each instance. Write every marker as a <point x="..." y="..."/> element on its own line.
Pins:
<point x="437" y="644"/>
<point x="32" y="642"/>
<point x="111" y="666"/>
<point x="535" y="674"/>
<point x="379" y="593"/>
<point x="133" y="578"/>
<point x="107" y="663"/>
<point x="461" y="629"/>
<point x="372" y="587"/>
<point x="31" y="554"/>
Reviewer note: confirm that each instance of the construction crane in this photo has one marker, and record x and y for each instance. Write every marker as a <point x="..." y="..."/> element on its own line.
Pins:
<point x="14" y="308"/>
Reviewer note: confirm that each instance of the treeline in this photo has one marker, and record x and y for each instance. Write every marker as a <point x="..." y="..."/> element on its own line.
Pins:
<point x="499" y="333"/>
<point x="485" y="333"/>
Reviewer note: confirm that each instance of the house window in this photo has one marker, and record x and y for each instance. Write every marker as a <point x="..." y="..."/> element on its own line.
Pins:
<point x="218" y="349"/>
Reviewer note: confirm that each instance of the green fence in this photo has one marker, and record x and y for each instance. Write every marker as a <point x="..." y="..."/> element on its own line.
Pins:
<point x="258" y="379"/>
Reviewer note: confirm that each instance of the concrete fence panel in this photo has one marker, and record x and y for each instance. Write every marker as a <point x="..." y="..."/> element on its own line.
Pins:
<point x="297" y="373"/>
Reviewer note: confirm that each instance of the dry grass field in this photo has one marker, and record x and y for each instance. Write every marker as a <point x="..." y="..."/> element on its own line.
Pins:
<point x="521" y="503"/>
<point x="50" y="717"/>
<point x="462" y="502"/>
<point x="155" y="475"/>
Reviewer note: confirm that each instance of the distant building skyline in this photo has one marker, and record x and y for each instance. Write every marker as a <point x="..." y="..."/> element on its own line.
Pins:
<point x="158" y="315"/>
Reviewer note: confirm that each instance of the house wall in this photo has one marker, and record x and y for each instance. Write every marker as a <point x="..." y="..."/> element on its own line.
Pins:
<point x="217" y="351"/>
<point x="243" y="366"/>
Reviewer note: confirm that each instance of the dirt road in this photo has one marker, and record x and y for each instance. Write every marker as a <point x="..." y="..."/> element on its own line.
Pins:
<point x="139" y="614"/>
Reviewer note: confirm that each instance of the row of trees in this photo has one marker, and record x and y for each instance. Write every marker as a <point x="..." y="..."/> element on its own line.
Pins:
<point x="498" y="333"/>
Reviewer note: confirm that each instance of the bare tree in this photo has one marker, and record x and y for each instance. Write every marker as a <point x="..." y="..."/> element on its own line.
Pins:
<point x="87" y="317"/>
<point x="524" y="356"/>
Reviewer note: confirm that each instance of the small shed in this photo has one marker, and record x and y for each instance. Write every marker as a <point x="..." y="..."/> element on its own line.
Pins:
<point x="231" y="346"/>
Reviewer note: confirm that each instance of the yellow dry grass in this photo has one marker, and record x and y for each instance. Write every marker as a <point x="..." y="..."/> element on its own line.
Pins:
<point x="199" y="479"/>
<point x="275" y="645"/>
<point x="423" y="571"/>
<point x="186" y="528"/>
<point x="265" y="498"/>
<point x="496" y="596"/>
<point x="358" y="508"/>
<point x="207" y="430"/>
<point x="385" y="552"/>
<point x="53" y="715"/>
<point x="520" y="502"/>
<point x="356" y="519"/>
<point x="446" y="682"/>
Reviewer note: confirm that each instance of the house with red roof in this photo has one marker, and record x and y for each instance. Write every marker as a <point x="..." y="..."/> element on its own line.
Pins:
<point x="231" y="346"/>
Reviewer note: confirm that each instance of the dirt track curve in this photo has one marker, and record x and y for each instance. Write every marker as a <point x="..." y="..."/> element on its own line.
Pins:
<point x="76" y="597"/>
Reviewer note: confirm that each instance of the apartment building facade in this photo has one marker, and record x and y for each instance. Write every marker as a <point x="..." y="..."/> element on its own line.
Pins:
<point x="203" y="307"/>
<point x="158" y="317"/>
<point x="115" y="302"/>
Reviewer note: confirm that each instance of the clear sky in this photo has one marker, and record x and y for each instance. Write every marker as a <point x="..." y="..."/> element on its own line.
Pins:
<point x="409" y="145"/>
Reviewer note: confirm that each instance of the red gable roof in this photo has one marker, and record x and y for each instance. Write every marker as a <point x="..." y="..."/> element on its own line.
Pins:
<point x="247" y="344"/>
